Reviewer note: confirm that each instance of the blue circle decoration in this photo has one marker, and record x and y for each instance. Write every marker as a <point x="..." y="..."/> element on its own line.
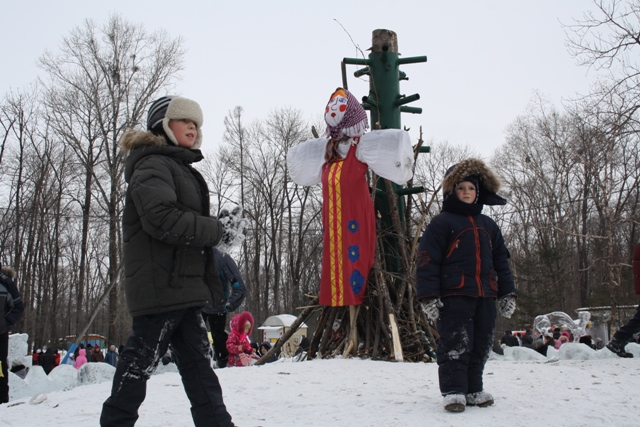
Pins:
<point x="353" y="226"/>
<point x="354" y="253"/>
<point x="357" y="281"/>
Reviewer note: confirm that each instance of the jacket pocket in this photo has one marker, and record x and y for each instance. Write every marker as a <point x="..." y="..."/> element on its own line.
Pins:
<point x="452" y="248"/>
<point x="452" y="279"/>
<point x="175" y="281"/>
<point x="493" y="280"/>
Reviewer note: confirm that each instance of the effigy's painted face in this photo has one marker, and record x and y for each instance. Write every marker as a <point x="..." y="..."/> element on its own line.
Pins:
<point x="336" y="107"/>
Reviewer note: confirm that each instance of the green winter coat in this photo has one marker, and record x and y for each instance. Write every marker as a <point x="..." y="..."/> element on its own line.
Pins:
<point x="167" y="230"/>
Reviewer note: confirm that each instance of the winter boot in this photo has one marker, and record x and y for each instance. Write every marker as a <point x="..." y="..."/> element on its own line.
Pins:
<point x="454" y="402"/>
<point x="480" y="398"/>
<point x="618" y="348"/>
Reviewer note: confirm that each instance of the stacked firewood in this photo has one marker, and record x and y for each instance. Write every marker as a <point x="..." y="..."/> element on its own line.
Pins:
<point x="389" y="324"/>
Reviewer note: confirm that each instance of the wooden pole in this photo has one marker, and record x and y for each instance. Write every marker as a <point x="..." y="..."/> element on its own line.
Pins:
<point x="353" y="331"/>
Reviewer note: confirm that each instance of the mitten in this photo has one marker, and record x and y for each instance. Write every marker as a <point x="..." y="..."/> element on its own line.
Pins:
<point x="227" y="226"/>
<point x="507" y="305"/>
<point x="431" y="308"/>
<point x="233" y="226"/>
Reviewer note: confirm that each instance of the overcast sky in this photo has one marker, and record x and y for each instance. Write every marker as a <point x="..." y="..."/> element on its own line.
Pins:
<point x="485" y="58"/>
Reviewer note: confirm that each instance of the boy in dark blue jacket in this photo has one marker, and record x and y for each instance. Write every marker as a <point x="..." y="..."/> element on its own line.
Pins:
<point x="462" y="267"/>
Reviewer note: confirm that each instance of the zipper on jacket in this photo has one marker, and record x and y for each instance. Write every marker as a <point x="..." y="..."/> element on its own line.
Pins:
<point x="476" y="236"/>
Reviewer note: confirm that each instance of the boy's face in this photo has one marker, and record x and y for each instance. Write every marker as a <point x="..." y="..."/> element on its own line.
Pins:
<point x="466" y="192"/>
<point x="185" y="131"/>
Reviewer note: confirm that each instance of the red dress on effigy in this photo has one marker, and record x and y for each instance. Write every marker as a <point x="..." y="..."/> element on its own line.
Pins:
<point x="349" y="231"/>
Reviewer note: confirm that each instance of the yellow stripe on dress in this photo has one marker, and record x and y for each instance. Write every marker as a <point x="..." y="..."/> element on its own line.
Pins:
<point x="335" y="233"/>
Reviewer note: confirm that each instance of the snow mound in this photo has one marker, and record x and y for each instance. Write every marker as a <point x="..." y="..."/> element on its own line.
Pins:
<point x="95" y="373"/>
<point x="522" y="354"/>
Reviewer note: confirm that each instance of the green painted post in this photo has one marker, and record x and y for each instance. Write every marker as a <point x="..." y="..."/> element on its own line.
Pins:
<point x="385" y="104"/>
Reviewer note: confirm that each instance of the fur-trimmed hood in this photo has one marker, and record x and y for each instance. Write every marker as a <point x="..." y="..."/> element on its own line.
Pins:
<point x="239" y="320"/>
<point x="139" y="144"/>
<point x="135" y="138"/>
<point x="489" y="182"/>
<point x="9" y="271"/>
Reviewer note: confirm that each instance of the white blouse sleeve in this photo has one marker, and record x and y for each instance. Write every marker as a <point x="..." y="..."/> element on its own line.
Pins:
<point x="305" y="161"/>
<point x="388" y="153"/>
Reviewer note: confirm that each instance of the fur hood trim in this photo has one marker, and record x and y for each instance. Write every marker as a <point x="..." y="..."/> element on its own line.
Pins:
<point x="239" y="320"/>
<point x="9" y="271"/>
<point x="134" y="138"/>
<point x="471" y="167"/>
<point x="488" y="182"/>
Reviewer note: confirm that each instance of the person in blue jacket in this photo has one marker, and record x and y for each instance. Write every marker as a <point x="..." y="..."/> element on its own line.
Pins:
<point x="462" y="268"/>
<point x="234" y="292"/>
<point x="112" y="356"/>
<point x="12" y="306"/>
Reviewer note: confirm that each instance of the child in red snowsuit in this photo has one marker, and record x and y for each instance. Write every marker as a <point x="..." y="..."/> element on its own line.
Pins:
<point x="238" y="344"/>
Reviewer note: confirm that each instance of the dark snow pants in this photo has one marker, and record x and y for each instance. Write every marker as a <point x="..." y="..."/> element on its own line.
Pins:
<point x="186" y="332"/>
<point x="218" y="323"/>
<point x="4" y="379"/>
<point x="466" y="327"/>
<point x="626" y="332"/>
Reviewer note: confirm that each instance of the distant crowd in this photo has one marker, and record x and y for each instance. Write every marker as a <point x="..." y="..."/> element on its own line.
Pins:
<point x="555" y="339"/>
<point x="49" y="358"/>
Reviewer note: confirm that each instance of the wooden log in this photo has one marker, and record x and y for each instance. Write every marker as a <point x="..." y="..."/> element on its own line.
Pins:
<point x="386" y="301"/>
<point x="367" y="328"/>
<point x="353" y="331"/>
<point x="283" y="339"/>
<point x="313" y="346"/>
<point x="324" y="341"/>
<point x="397" y="345"/>
<point x="376" y="336"/>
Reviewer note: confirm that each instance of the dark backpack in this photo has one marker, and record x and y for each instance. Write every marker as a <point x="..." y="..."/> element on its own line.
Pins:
<point x="6" y="304"/>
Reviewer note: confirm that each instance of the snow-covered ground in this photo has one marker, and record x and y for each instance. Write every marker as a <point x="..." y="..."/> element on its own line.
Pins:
<point x="575" y="386"/>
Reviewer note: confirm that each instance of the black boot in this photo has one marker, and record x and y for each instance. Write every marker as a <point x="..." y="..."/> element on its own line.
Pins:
<point x="618" y="348"/>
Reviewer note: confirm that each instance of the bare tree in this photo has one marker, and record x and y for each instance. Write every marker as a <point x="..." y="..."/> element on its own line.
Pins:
<point x="19" y="120"/>
<point x="37" y="179"/>
<point x="539" y="167"/>
<point x="607" y="40"/>
<point x="574" y="183"/>
<point x="284" y="218"/>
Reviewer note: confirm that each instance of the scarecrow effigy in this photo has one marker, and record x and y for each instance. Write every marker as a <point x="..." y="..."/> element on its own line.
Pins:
<point x="340" y="163"/>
